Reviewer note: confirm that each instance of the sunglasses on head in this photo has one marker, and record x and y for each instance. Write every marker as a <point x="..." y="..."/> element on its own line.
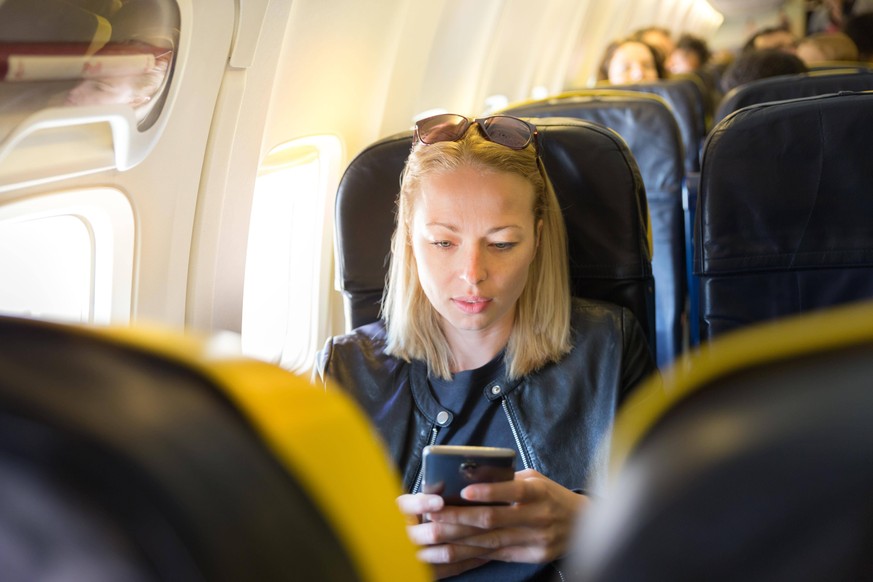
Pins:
<point x="507" y="131"/>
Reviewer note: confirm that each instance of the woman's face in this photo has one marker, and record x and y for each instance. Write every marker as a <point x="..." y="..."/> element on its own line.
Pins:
<point x="632" y="62"/>
<point x="474" y="238"/>
<point x="682" y="61"/>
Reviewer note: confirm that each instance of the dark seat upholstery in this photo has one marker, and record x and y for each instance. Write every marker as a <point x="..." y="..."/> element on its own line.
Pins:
<point x="597" y="182"/>
<point x="688" y="101"/>
<point x="134" y="455"/>
<point x="650" y="129"/>
<point x="818" y="82"/>
<point x="784" y="213"/>
<point x="793" y="87"/>
<point x="753" y="463"/>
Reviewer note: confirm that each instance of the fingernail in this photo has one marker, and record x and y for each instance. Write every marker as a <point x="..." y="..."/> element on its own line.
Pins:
<point x="435" y="503"/>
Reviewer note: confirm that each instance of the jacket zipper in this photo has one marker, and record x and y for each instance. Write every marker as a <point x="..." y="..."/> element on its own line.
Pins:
<point x="417" y="486"/>
<point x="524" y="458"/>
<point x="509" y="417"/>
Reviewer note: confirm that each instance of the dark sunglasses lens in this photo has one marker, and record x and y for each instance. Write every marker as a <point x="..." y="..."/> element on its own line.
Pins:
<point x="444" y="127"/>
<point x="508" y="131"/>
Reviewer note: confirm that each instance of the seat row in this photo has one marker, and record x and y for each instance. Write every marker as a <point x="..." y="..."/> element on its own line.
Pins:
<point x="139" y="454"/>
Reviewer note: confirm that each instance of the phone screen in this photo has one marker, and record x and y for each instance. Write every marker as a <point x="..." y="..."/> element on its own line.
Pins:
<point x="448" y="469"/>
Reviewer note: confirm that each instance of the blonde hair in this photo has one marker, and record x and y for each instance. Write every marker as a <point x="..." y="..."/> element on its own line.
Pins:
<point x="541" y="332"/>
<point x="826" y="47"/>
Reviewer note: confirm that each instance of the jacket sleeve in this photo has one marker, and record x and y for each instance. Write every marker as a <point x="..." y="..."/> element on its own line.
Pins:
<point x="637" y="362"/>
<point x="322" y="361"/>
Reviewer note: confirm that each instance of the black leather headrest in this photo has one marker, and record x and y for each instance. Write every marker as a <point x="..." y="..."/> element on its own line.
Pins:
<point x="759" y="470"/>
<point x="657" y="149"/>
<point x="788" y="186"/>
<point x="155" y="455"/>
<point x="651" y="132"/>
<point x="596" y="180"/>
<point x="688" y="102"/>
<point x="792" y="87"/>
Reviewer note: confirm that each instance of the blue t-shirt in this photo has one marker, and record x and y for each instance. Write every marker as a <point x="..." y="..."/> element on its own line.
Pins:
<point x="478" y="419"/>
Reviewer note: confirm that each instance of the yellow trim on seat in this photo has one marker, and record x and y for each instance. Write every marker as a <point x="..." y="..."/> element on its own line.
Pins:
<point x="102" y="34"/>
<point x="331" y="449"/>
<point x="745" y="348"/>
<point x="320" y="436"/>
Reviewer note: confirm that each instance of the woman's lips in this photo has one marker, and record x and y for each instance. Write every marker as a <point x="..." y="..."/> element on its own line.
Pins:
<point x="472" y="305"/>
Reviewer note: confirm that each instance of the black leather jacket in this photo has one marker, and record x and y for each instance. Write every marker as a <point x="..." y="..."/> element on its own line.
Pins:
<point x="559" y="414"/>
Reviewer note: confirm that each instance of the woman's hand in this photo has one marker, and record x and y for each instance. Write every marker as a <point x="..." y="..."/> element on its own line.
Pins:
<point x="435" y="539"/>
<point x="535" y="528"/>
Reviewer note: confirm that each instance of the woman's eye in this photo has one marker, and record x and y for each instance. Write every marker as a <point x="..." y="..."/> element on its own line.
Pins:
<point x="503" y="245"/>
<point x="441" y="244"/>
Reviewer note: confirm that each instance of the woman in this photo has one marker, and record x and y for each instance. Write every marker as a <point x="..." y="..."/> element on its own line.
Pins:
<point x="481" y="344"/>
<point x="628" y="62"/>
<point x="691" y="54"/>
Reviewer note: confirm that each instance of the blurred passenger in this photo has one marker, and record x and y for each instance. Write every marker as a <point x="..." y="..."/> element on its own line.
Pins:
<point x="691" y="54"/>
<point x="480" y="343"/>
<point x="860" y="29"/>
<point x="630" y="61"/>
<point x="827" y="47"/>
<point x="774" y="37"/>
<point x="656" y="37"/>
<point x="758" y="64"/>
<point x="832" y="15"/>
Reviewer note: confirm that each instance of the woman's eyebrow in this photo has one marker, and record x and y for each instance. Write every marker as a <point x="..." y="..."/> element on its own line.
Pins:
<point x="492" y="230"/>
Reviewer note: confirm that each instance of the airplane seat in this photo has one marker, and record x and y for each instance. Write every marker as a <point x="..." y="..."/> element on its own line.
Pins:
<point x="753" y="463"/>
<point x="136" y="454"/>
<point x="783" y="214"/>
<point x="596" y="180"/>
<point x="687" y="98"/>
<point x="783" y="87"/>
<point x="847" y="65"/>
<point x="647" y="124"/>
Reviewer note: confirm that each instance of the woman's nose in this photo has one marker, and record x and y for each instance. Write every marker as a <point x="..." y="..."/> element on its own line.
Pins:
<point x="473" y="271"/>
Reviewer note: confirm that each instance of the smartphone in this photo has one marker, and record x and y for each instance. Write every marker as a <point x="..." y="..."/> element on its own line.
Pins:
<point x="448" y="469"/>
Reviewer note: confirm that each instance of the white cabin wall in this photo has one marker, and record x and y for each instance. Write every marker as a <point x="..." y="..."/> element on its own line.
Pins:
<point x="234" y="155"/>
<point x="459" y="54"/>
<point x="162" y="189"/>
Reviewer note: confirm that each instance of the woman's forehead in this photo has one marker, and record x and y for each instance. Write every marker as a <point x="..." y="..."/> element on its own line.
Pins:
<point x="470" y="191"/>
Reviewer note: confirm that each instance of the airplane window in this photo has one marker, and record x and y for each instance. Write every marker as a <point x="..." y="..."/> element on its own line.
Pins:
<point x="81" y="242"/>
<point x="73" y="53"/>
<point x="37" y="266"/>
<point x="288" y="260"/>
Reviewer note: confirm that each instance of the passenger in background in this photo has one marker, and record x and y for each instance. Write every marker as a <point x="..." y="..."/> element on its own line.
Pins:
<point x="860" y="29"/>
<point x="775" y="37"/>
<point x="825" y="47"/>
<point x="758" y="64"/>
<point x="630" y="61"/>
<point x="656" y="37"/>
<point x="691" y="54"/>
<point x="832" y="15"/>
<point x="480" y="343"/>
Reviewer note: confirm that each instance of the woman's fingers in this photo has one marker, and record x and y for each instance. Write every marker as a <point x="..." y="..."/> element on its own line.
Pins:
<point x="535" y="527"/>
<point x="451" y="553"/>
<point x="434" y="533"/>
<point x="419" y="504"/>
